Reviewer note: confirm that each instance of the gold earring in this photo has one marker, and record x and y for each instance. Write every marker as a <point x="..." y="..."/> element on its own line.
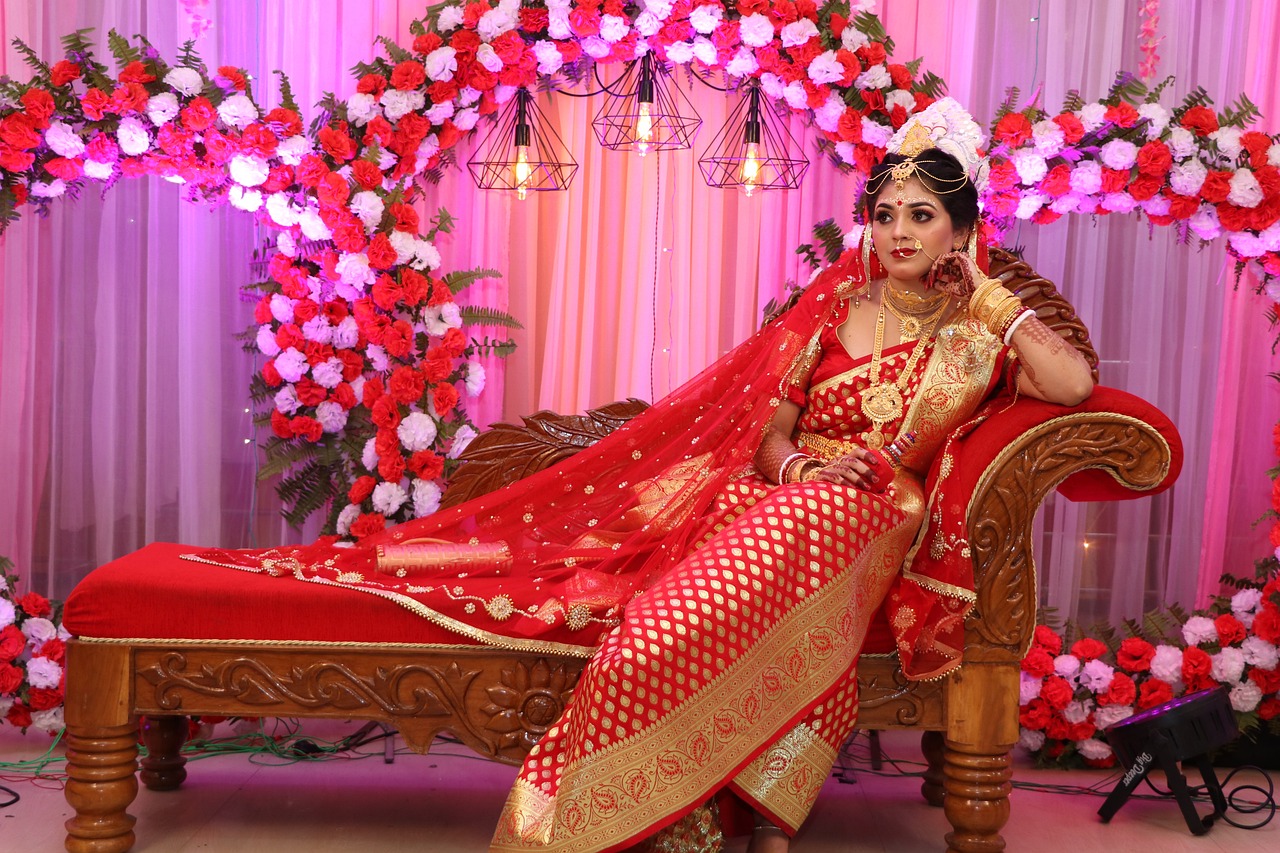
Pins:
<point x="972" y="247"/>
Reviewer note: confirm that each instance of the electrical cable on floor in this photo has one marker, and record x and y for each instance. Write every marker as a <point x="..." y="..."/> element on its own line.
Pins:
<point x="1233" y="797"/>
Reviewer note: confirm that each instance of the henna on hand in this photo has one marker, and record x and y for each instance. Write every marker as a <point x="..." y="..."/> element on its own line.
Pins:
<point x="955" y="274"/>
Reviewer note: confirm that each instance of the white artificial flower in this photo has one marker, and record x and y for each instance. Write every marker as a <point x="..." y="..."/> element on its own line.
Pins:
<point x="440" y="112"/>
<point x="440" y="64"/>
<point x="680" y="52"/>
<point x="328" y="373"/>
<point x="185" y="80"/>
<point x="461" y="439"/>
<point x="853" y="39"/>
<point x="292" y="150"/>
<point x="162" y="108"/>
<point x="825" y="68"/>
<point x="346" y="334"/>
<point x="39" y="631"/>
<point x="426" y="150"/>
<point x="1086" y="178"/>
<point x="1166" y="663"/>
<point x="403" y="242"/>
<point x="1029" y="205"/>
<point x="796" y="96"/>
<point x="1030" y="166"/>
<point x="1273" y="154"/>
<point x="1205" y="223"/>
<point x="248" y="170"/>
<point x="417" y="432"/>
<point x="362" y="108"/>
<point x="425" y="256"/>
<point x="1028" y="739"/>
<point x="8" y="613"/>
<point x="281" y="307"/>
<point x="397" y="104"/>
<point x="331" y="415"/>
<point x="468" y="96"/>
<point x="282" y="212"/>
<point x="558" y="24"/>
<point x="827" y="116"/>
<point x="291" y="365"/>
<point x="1187" y="177"/>
<point x="369" y="456"/>
<point x="853" y="237"/>
<point x="1199" y="629"/>
<point x="494" y="23"/>
<point x="451" y="315"/>
<point x="1092" y="116"/>
<point x="1028" y="688"/>
<point x="64" y="141"/>
<point x="347" y="517"/>
<point x="755" y="30"/>
<point x="875" y="77"/>
<point x="613" y="28"/>
<point x="1066" y="203"/>
<point x="237" y="111"/>
<point x="1119" y="154"/>
<point x="450" y="17"/>
<point x="874" y="133"/>
<point x="488" y="57"/>
<point x="1048" y="137"/>
<point x="1067" y="666"/>
<point x="1228" y="141"/>
<point x="1109" y="715"/>
<point x="706" y="18"/>
<point x="1159" y="117"/>
<point x="1246" y="602"/>
<point x="798" y="32"/>
<point x="1182" y="143"/>
<point x="549" y="58"/>
<point x="368" y="207"/>
<point x="900" y="98"/>
<point x="475" y="378"/>
<point x="266" y="341"/>
<point x="388" y="497"/>
<point x="1078" y="711"/>
<point x="647" y="24"/>
<point x="50" y="720"/>
<point x="1228" y="666"/>
<point x="1258" y="652"/>
<point x="55" y="188"/>
<point x="704" y="51"/>
<point x="1119" y="202"/>
<point x="1093" y="749"/>
<point x="426" y="498"/>
<point x="286" y="400"/>
<point x="132" y="136"/>
<point x="377" y="357"/>
<point x="1245" y="190"/>
<point x="313" y="227"/>
<point x="243" y="199"/>
<point x="1246" y="245"/>
<point x="353" y="269"/>
<point x="772" y="85"/>
<point x="1157" y="205"/>
<point x="1096" y="676"/>
<point x="1245" y="696"/>
<point x="92" y="169"/>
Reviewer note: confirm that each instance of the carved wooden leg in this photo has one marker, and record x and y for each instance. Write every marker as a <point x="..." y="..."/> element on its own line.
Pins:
<point x="931" y="744"/>
<point x="164" y="767"/>
<point x="101" y="783"/>
<point x="977" y="798"/>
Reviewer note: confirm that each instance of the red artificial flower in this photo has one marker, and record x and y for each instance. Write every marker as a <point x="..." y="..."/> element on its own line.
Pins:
<point x="1182" y="206"/>
<point x="1155" y="159"/>
<point x="408" y="75"/>
<point x="386" y="443"/>
<point x="1196" y="669"/>
<point x="1268" y="680"/>
<point x="1038" y="662"/>
<point x="533" y="20"/>
<point x="454" y="342"/>
<point x="17" y="130"/>
<point x="1035" y="715"/>
<point x="872" y="54"/>
<point x="1003" y="176"/>
<point x="38" y="105"/>
<point x="310" y="392"/>
<point x="199" y="114"/>
<point x="270" y="375"/>
<point x="19" y="191"/>
<point x="1153" y="692"/>
<point x="1013" y="129"/>
<point x="398" y="339"/>
<point x="1056" y="691"/>
<point x="10" y="678"/>
<point x="1257" y="144"/>
<point x="1135" y="654"/>
<point x="440" y="293"/>
<point x="444" y="397"/>
<point x="1122" y="114"/>
<point x="54" y="649"/>
<point x="382" y="255"/>
<point x="44" y="698"/>
<point x="1114" y="180"/>
<point x="63" y="72"/>
<point x="304" y="310"/>
<point x="34" y="604"/>
<point x="465" y="42"/>
<point x="1121" y="691"/>
<point x="426" y="465"/>
<point x="1201" y="121"/>
<point x="442" y="90"/>
<point x="95" y="104"/>
<point x="285" y="121"/>
<point x="333" y="190"/>
<point x="1145" y="187"/>
<point x="344" y="395"/>
<point x="1058" y="182"/>
<point x="406" y="217"/>
<point x="361" y="489"/>
<point x="307" y="427"/>
<point x="1269" y="709"/>
<point x="1266" y="624"/>
<point x="1230" y="630"/>
<point x="312" y="170"/>
<point x="368" y="524"/>
<point x="67" y="170"/>
<point x="1072" y="127"/>
<point x="352" y="364"/>
<point x="849" y="127"/>
<point x="373" y="390"/>
<point x="233" y="76"/>
<point x="426" y="43"/>
<point x="438" y="365"/>
<point x="19" y="715"/>
<point x="136" y="72"/>
<point x="386" y="293"/>
<point x="391" y="467"/>
<point x="1088" y="649"/>
<point x="12" y="642"/>
<point x="337" y="142"/>
<point x="901" y="76"/>
<point x="1046" y="638"/>
<point x="386" y="413"/>
<point x="406" y="385"/>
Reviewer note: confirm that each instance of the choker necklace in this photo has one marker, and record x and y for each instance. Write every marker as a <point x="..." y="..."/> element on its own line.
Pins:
<point x="882" y="402"/>
<point x="911" y="309"/>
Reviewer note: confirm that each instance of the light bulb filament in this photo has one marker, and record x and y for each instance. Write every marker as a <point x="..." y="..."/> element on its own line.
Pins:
<point x="751" y="169"/>
<point x="644" y="128"/>
<point x="523" y="171"/>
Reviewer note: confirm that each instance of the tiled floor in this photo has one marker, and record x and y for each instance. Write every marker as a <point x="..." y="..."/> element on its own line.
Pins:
<point x="448" y="801"/>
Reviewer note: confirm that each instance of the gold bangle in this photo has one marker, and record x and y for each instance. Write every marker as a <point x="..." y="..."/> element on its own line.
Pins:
<point x="1003" y="315"/>
<point x="983" y="310"/>
<point x="983" y="290"/>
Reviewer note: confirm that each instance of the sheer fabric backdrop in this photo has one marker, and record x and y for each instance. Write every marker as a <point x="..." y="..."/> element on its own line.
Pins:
<point x="122" y="391"/>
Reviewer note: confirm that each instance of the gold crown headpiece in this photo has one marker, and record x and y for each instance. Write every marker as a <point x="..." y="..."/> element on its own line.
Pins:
<point x="944" y="125"/>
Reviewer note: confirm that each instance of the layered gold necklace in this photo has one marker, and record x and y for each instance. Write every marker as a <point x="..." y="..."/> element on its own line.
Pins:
<point x="882" y="402"/>
<point x="911" y="310"/>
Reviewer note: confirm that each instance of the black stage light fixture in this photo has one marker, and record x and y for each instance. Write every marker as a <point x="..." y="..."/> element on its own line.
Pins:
<point x="1182" y="730"/>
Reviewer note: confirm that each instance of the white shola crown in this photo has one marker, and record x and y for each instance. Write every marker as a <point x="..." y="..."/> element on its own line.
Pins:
<point x="947" y="126"/>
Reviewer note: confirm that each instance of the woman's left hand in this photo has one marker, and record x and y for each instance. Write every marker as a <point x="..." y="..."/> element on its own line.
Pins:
<point x="956" y="274"/>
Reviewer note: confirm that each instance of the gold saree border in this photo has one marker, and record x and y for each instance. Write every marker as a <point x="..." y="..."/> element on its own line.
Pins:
<point x="789" y="774"/>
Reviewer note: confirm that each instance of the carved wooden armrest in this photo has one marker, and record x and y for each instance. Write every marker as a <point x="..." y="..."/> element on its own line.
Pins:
<point x="1111" y="447"/>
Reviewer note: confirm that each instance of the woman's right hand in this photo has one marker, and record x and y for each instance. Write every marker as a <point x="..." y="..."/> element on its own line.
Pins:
<point x="860" y="468"/>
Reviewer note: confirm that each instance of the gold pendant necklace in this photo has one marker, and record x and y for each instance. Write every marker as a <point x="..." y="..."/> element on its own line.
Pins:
<point x="912" y="310"/>
<point x="882" y="402"/>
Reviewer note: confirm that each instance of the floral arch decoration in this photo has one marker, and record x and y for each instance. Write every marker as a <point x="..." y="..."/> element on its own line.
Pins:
<point x="366" y="357"/>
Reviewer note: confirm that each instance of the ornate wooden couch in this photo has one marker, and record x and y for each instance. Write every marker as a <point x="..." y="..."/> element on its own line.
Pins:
<point x="166" y="638"/>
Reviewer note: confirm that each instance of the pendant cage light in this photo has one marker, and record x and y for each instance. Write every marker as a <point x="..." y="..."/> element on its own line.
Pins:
<point x="642" y="114"/>
<point x="523" y="152"/>
<point x="753" y="150"/>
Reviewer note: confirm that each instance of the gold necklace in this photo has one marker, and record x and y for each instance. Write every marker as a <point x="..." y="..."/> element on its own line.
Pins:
<point x="912" y="310"/>
<point x="882" y="402"/>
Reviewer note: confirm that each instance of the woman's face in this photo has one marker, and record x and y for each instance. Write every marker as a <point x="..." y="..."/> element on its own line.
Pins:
<point x="900" y="218"/>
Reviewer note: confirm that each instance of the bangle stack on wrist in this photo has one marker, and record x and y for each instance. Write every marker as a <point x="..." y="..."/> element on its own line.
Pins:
<point x="792" y="468"/>
<point x="996" y="307"/>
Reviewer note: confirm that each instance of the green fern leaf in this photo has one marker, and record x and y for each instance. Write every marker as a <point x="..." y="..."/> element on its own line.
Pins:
<point x="483" y="316"/>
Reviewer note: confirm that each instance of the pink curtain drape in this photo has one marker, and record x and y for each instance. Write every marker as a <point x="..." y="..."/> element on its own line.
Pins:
<point x="122" y="392"/>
